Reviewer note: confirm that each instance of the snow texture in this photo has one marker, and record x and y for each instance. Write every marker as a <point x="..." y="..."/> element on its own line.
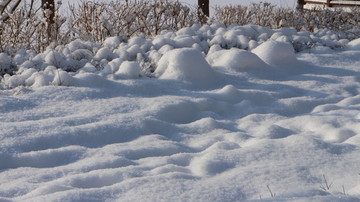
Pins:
<point x="225" y="114"/>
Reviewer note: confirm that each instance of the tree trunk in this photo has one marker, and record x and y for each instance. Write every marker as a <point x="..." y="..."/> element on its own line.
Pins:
<point x="203" y="10"/>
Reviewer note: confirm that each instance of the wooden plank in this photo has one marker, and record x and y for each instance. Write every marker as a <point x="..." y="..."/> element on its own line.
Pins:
<point x="345" y="2"/>
<point x="330" y="3"/>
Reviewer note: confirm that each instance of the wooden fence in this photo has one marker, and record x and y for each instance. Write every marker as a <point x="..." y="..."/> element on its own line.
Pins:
<point x="331" y="3"/>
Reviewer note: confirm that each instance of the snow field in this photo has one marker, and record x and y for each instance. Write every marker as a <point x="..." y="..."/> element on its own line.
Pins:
<point x="227" y="113"/>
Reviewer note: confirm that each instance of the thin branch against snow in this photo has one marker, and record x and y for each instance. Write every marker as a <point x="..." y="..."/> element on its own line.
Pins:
<point x="8" y="7"/>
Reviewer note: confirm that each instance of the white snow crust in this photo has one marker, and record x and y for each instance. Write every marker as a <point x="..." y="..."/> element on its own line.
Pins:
<point x="203" y="114"/>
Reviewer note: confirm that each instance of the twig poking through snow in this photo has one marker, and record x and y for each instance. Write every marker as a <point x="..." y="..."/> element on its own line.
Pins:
<point x="327" y="185"/>
<point x="271" y="193"/>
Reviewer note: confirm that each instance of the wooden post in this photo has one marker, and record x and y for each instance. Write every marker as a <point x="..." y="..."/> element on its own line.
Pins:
<point x="328" y="3"/>
<point x="300" y="5"/>
<point x="48" y="7"/>
<point x="203" y="10"/>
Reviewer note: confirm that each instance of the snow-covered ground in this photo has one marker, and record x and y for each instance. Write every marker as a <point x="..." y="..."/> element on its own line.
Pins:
<point x="229" y="114"/>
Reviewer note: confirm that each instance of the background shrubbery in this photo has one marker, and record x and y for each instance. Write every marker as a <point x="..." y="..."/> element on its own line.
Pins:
<point x="267" y="15"/>
<point x="94" y="21"/>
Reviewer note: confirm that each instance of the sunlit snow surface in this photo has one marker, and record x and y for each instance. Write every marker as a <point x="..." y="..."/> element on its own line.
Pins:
<point x="232" y="125"/>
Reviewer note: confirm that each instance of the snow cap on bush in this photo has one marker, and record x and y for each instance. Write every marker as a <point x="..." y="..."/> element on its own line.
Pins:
<point x="55" y="59"/>
<point x="19" y="78"/>
<point x="63" y="78"/>
<point x="112" y="42"/>
<point x="80" y="54"/>
<point x="79" y="44"/>
<point x="104" y="53"/>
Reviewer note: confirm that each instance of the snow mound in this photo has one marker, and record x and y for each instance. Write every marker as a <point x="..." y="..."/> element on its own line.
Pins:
<point x="56" y="59"/>
<point x="78" y="44"/>
<point x="236" y="60"/>
<point x="80" y="54"/>
<point x="187" y="65"/>
<point x="112" y="42"/>
<point x="104" y="53"/>
<point x="229" y="94"/>
<point x="354" y="44"/>
<point x="209" y="164"/>
<point x="63" y="78"/>
<point x="19" y="79"/>
<point x="129" y="70"/>
<point x="39" y="79"/>
<point x="275" y="53"/>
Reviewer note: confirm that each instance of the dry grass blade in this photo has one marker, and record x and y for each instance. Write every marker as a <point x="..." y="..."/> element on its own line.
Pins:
<point x="271" y="193"/>
<point x="326" y="186"/>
